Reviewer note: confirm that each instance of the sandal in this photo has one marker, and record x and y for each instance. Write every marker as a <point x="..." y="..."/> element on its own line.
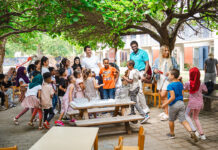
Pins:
<point x="30" y="124"/>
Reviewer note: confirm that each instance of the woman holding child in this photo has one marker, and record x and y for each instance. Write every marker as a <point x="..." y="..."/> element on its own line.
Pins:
<point x="161" y="67"/>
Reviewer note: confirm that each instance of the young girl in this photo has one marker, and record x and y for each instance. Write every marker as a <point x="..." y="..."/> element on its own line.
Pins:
<point x="31" y="100"/>
<point x="79" y="87"/>
<point x="65" y="63"/>
<point x="68" y="97"/>
<point x="76" y="64"/>
<point x="44" y="65"/>
<point x="37" y="70"/>
<point x="195" y="103"/>
<point x="22" y="80"/>
<point x="90" y="85"/>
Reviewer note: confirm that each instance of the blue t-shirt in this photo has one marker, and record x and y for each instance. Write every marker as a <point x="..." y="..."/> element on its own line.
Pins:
<point x="139" y="58"/>
<point x="177" y="87"/>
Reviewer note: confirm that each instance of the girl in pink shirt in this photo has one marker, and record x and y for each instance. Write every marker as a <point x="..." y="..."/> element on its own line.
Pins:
<point x="195" y="103"/>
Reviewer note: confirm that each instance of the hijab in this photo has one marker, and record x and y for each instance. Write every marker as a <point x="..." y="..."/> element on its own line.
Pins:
<point x="21" y="74"/>
<point x="194" y="78"/>
<point x="37" y="80"/>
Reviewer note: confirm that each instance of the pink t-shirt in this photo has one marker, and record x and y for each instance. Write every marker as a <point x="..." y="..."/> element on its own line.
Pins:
<point x="196" y="99"/>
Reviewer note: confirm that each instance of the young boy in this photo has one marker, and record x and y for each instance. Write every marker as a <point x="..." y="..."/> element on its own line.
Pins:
<point x="2" y="95"/>
<point x="8" y="91"/>
<point x="109" y="76"/>
<point x="134" y="89"/>
<point x="176" y="104"/>
<point x="53" y="83"/>
<point x="46" y="99"/>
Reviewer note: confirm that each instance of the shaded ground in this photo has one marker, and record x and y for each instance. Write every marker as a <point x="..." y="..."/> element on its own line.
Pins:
<point x="25" y="136"/>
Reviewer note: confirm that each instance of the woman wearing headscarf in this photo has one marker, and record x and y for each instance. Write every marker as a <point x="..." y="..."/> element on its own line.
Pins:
<point x="22" y="81"/>
<point x="161" y="67"/>
<point x="195" y="103"/>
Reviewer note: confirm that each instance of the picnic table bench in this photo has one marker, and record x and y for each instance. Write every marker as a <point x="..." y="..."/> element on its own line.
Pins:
<point x="84" y="107"/>
<point x="209" y="98"/>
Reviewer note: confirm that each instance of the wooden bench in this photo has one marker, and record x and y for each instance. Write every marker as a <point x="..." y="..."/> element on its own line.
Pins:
<point x="110" y="120"/>
<point x="209" y="98"/>
<point x="148" y="91"/>
<point x="93" y="111"/>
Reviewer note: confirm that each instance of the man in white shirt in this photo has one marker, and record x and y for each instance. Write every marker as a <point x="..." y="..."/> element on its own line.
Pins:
<point x="92" y="62"/>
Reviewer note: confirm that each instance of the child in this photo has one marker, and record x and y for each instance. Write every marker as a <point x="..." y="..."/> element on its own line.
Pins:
<point x="65" y="63"/>
<point x="46" y="100"/>
<point x="109" y="76"/>
<point x="8" y="91"/>
<point x="134" y="89"/>
<point x="53" y="83"/>
<point x="12" y="75"/>
<point x="44" y="65"/>
<point x="2" y="95"/>
<point x="68" y="97"/>
<point x="79" y="87"/>
<point x="195" y="103"/>
<point x="62" y="83"/>
<point x="37" y="70"/>
<point x="76" y="64"/>
<point x="22" y="80"/>
<point x="31" y="100"/>
<point x="90" y="85"/>
<point x="176" y="104"/>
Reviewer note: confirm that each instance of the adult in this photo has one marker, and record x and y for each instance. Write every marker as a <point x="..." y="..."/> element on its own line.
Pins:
<point x="140" y="57"/>
<point x="211" y="69"/>
<point x="92" y="62"/>
<point x="161" y="67"/>
<point x="76" y="64"/>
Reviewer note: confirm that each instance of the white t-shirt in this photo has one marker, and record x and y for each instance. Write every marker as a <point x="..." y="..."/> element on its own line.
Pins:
<point x="44" y="70"/>
<point x="91" y="63"/>
<point x="33" y="91"/>
<point x="134" y="75"/>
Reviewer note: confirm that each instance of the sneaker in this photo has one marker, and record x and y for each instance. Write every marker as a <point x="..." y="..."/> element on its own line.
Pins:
<point x="72" y="120"/>
<point x="59" y="123"/>
<point x="145" y="119"/>
<point x="46" y="125"/>
<point x="55" y="111"/>
<point x="171" y="136"/>
<point x="16" y="121"/>
<point x="164" y="117"/>
<point x="30" y="124"/>
<point x="203" y="137"/>
<point x="132" y="114"/>
<point x="161" y="114"/>
<point x="197" y="134"/>
<point x="2" y="108"/>
<point x="193" y="136"/>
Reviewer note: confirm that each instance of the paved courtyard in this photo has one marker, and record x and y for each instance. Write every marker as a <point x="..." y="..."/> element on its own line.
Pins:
<point x="155" y="138"/>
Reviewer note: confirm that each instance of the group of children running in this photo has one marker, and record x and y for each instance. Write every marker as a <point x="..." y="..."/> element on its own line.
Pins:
<point x="44" y="86"/>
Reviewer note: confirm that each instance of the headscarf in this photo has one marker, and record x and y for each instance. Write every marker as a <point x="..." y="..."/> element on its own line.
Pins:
<point x="20" y="74"/>
<point x="194" y="78"/>
<point x="76" y="65"/>
<point x="37" y="80"/>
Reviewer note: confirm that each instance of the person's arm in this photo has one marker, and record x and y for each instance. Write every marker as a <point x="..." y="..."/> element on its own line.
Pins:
<point x="99" y="65"/>
<point x="146" y="66"/>
<point x="172" y="97"/>
<point x="22" y="84"/>
<point x="82" y="86"/>
<point x="128" y="80"/>
<point x="96" y="85"/>
<point x="205" y="67"/>
<point x="71" y="93"/>
<point x="61" y="88"/>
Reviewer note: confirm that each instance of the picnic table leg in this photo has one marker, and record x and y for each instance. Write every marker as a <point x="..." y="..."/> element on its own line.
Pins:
<point x="116" y="111"/>
<point x="85" y="114"/>
<point x="123" y="110"/>
<point x="128" y="128"/>
<point x="81" y="113"/>
<point x="96" y="143"/>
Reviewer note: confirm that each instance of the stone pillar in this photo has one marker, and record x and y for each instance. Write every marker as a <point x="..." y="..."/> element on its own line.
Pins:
<point x="181" y="57"/>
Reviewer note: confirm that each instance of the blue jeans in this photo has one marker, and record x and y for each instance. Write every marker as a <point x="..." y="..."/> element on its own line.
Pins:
<point x="54" y="101"/>
<point x="101" y="88"/>
<point x="109" y="93"/>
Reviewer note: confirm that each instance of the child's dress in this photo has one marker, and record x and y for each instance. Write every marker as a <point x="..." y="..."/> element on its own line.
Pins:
<point x="78" y="91"/>
<point x="196" y="99"/>
<point x="31" y="100"/>
<point x="65" y="104"/>
<point x="90" y="91"/>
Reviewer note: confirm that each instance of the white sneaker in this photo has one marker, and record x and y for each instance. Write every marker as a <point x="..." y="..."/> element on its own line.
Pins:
<point x="145" y="119"/>
<point x="16" y="121"/>
<point x="161" y="114"/>
<point x="55" y="111"/>
<point x="164" y="117"/>
<point x="197" y="134"/>
<point x="203" y="137"/>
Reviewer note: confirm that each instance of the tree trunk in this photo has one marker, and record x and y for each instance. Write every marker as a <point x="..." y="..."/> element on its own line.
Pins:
<point x="169" y="42"/>
<point x="2" y="53"/>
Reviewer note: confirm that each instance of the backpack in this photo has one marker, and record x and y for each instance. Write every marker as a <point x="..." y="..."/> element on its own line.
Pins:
<point x="210" y="87"/>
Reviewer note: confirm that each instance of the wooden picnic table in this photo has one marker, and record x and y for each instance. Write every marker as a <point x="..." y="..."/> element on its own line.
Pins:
<point x="68" y="138"/>
<point x="83" y="105"/>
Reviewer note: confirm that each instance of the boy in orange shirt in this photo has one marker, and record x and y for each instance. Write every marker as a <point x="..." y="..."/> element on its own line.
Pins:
<point x="109" y="76"/>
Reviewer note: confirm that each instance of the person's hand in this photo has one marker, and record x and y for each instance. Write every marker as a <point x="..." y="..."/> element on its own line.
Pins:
<point x="101" y="85"/>
<point x="156" y="71"/>
<point x="167" y="74"/>
<point x="163" y="105"/>
<point x="123" y="77"/>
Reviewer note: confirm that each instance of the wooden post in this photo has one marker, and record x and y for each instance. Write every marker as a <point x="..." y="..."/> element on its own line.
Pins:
<point x="85" y="114"/>
<point x="116" y="111"/>
<point x="128" y="128"/>
<point x="96" y="143"/>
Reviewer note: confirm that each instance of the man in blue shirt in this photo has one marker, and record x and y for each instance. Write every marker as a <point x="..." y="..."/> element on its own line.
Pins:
<point x="140" y="57"/>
